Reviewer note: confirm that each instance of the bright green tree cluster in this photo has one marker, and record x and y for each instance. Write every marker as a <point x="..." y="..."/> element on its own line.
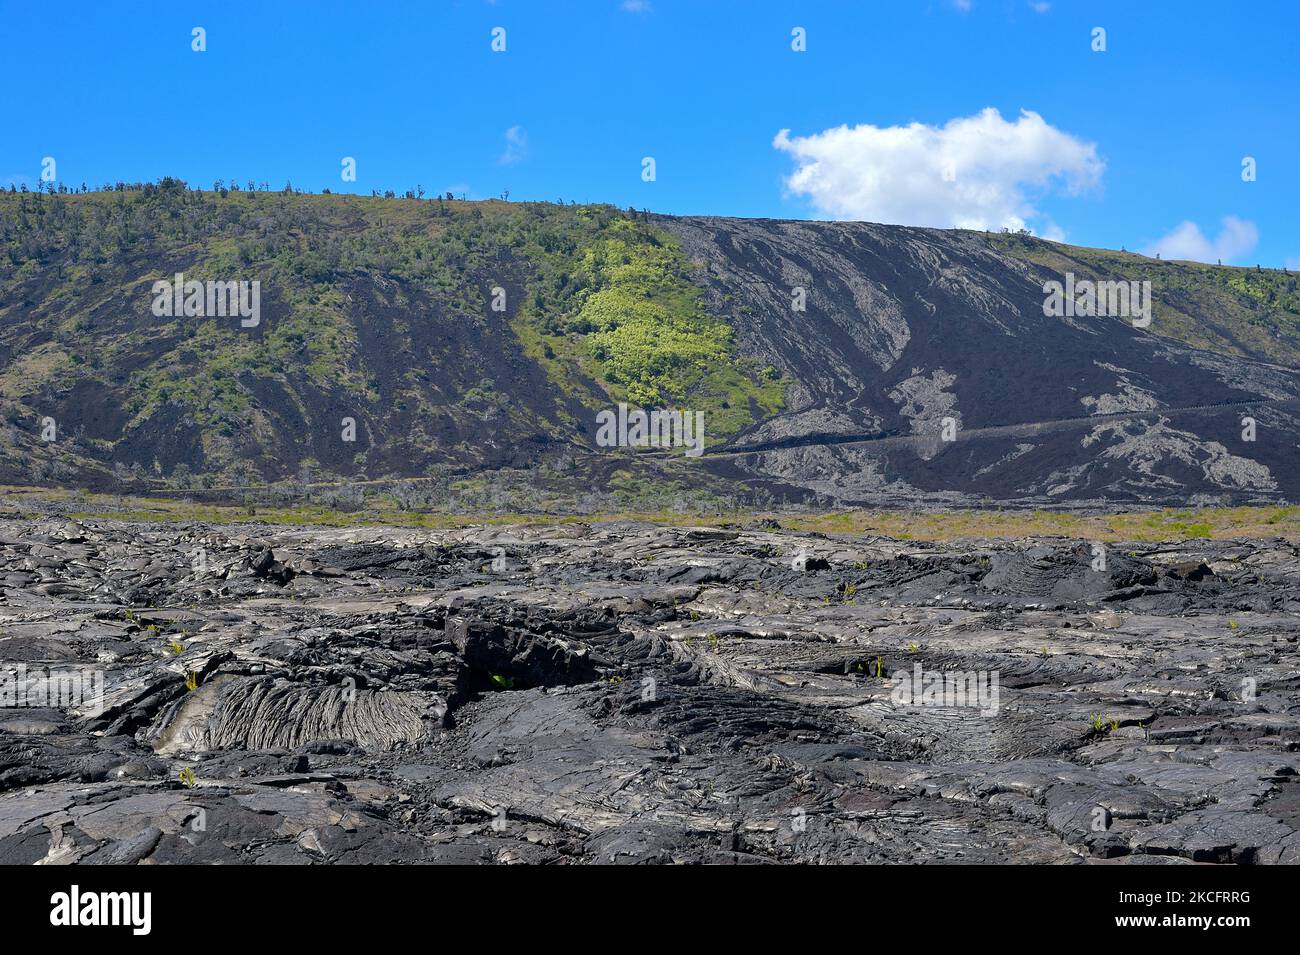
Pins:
<point x="654" y="342"/>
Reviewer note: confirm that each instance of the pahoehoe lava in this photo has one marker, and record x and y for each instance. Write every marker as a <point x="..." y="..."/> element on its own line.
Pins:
<point x="631" y="693"/>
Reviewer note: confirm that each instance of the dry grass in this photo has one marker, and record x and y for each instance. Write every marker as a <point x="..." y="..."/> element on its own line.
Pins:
<point x="1154" y="525"/>
<point x="1165" y="524"/>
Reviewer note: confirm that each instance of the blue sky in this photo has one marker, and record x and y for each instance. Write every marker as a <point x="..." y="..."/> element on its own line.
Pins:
<point x="1139" y="146"/>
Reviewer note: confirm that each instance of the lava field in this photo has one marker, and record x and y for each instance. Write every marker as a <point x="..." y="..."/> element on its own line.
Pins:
<point x="635" y="693"/>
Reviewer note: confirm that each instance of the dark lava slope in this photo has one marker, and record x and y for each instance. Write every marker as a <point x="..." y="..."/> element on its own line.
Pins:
<point x="381" y="311"/>
<point x="905" y="327"/>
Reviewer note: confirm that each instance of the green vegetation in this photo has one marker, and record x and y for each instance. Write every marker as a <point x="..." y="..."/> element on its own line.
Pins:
<point x="649" y="338"/>
<point x="1104" y="724"/>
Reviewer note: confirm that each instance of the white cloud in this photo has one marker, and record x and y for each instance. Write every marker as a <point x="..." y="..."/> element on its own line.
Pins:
<point x="636" y="6"/>
<point x="516" y="145"/>
<point x="1236" y="238"/>
<point x="973" y="172"/>
<point x="1039" y="6"/>
<point x="1292" y="263"/>
<point x="962" y="5"/>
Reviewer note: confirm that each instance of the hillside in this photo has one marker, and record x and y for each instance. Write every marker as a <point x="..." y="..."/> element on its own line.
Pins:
<point x="472" y="344"/>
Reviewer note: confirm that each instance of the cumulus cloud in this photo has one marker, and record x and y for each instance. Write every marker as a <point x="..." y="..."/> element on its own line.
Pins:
<point x="516" y="145"/>
<point x="1237" y="237"/>
<point x="973" y="172"/>
<point x="1039" y="6"/>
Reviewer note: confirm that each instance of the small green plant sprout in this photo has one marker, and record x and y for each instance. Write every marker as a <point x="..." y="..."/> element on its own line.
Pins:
<point x="1232" y="625"/>
<point x="128" y="615"/>
<point x="1104" y="724"/>
<point x="151" y="629"/>
<point x="1042" y="651"/>
<point x="191" y="680"/>
<point x="695" y="615"/>
<point x="713" y="641"/>
<point x="187" y="777"/>
<point x="174" y="647"/>
<point x="616" y="680"/>
<point x="850" y="590"/>
<point x="502" y="682"/>
<point x="913" y="646"/>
